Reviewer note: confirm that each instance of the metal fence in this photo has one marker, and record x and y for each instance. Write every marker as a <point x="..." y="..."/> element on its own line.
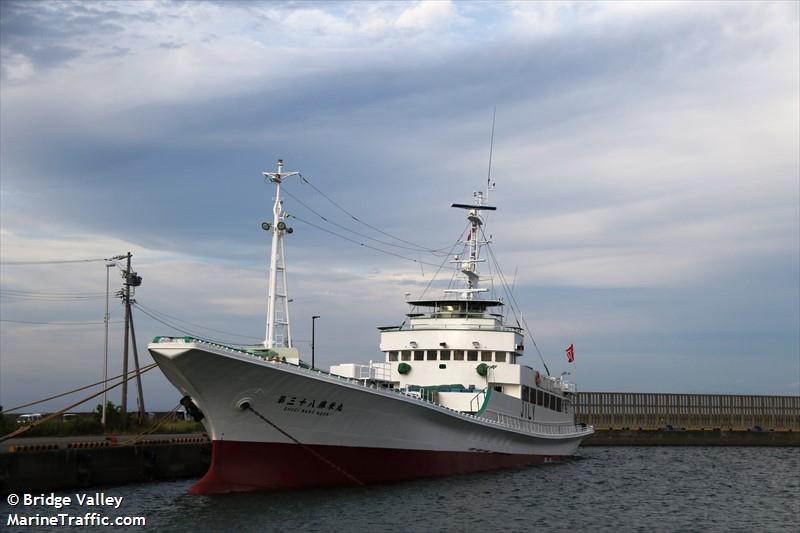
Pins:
<point x="656" y="410"/>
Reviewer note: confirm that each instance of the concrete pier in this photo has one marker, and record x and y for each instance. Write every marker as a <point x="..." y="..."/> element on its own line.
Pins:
<point x="53" y="464"/>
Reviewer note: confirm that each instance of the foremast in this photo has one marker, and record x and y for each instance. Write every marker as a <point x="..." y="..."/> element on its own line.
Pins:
<point x="278" y="321"/>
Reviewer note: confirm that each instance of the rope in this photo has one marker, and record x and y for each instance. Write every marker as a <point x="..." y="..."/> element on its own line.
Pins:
<point x="66" y="393"/>
<point x="59" y="413"/>
<point x="168" y="417"/>
<point x="310" y="450"/>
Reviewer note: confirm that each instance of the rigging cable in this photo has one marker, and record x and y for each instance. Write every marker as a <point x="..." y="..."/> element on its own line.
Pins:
<point x="163" y="314"/>
<point x="449" y="254"/>
<point x="361" y="243"/>
<point x="351" y="215"/>
<point x="184" y="331"/>
<point x="326" y="219"/>
<point x="513" y="300"/>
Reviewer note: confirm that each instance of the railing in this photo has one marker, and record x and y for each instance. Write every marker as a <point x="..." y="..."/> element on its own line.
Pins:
<point x="452" y="326"/>
<point x="500" y="419"/>
<point x="546" y="428"/>
<point x="477" y="401"/>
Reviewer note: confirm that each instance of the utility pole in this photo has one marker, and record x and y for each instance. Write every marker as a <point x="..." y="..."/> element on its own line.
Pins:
<point x="131" y="280"/>
<point x="126" y="297"/>
<point x="142" y="413"/>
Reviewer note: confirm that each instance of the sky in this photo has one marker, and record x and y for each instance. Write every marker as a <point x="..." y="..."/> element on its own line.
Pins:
<point x="646" y="156"/>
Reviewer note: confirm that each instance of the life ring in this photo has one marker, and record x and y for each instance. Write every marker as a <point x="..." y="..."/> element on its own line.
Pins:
<point x="538" y="378"/>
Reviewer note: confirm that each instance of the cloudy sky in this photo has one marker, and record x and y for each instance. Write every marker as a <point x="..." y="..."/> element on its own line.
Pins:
<point x="646" y="159"/>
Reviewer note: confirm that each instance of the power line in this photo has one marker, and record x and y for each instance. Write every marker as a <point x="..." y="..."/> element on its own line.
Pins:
<point x="49" y="262"/>
<point x="51" y="297"/>
<point x="57" y="323"/>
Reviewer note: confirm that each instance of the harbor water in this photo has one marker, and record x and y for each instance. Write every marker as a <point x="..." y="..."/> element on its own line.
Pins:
<point x="605" y="489"/>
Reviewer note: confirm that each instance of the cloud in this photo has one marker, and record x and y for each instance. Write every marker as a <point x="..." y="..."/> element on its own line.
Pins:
<point x="645" y="155"/>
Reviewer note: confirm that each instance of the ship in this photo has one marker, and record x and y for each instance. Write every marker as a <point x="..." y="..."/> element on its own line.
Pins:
<point x="450" y="395"/>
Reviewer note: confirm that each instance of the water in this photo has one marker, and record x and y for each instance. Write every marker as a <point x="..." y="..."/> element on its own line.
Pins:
<point x="607" y="489"/>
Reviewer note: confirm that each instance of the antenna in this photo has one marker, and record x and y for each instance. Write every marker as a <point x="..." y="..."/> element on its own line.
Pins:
<point x="489" y="184"/>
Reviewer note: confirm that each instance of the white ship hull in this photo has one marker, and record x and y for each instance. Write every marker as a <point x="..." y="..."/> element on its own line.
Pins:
<point x="277" y="425"/>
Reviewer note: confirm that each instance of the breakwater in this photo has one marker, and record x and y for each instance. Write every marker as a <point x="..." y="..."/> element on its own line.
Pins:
<point x="683" y="412"/>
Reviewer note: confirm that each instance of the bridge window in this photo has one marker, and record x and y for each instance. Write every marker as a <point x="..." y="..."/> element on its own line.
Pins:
<point x="458" y="355"/>
<point x="406" y="355"/>
<point x="392" y="356"/>
<point x="431" y="354"/>
<point x="445" y="355"/>
<point x="419" y="355"/>
<point x="486" y="356"/>
<point x="472" y="355"/>
<point x="500" y="357"/>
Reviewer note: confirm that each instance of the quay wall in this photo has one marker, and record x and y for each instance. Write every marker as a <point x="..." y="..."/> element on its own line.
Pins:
<point x="40" y="467"/>
<point x="637" y="410"/>
<point x="696" y="437"/>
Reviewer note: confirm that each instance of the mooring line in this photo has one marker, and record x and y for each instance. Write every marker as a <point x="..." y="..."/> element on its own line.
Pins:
<point x="67" y="408"/>
<point x="73" y="391"/>
<point x="308" y="449"/>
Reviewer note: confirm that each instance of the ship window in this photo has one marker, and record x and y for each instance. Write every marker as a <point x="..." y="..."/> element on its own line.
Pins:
<point x="472" y="355"/>
<point x="558" y="404"/>
<point x="442" y="366"/>
<point x="431" y="355"/>
<point x="445" y="355"/>
<point x="526" y="394"/>
<point x="486" y="356"/>
<point x="419" y="355"/>
<point x="539" y="397"/>
<point x="406" y="355"/>
<point x="498" y="388"/>
<point x="458" y="355"/>
<point x="392" y="356"/>
<point x="500" y="357"/>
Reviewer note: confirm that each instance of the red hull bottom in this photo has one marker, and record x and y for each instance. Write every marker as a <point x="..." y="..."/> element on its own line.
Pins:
<point x="251" y="466"/>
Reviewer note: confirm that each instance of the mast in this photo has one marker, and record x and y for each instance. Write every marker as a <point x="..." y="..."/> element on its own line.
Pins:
<point x="277" y="299"/>
<point x="474" y="242"/>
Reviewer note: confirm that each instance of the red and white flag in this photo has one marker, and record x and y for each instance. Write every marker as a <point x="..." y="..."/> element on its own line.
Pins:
<point x="571" y="354"/>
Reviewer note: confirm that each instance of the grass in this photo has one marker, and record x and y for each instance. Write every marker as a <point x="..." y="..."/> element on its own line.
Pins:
<point x="87" y="425"/>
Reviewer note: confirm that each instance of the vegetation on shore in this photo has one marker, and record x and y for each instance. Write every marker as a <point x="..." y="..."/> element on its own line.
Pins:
<point x="89" y="424"/>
